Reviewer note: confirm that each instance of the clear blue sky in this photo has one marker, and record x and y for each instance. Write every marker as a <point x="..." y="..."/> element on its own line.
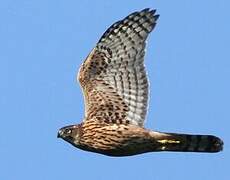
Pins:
<point x="43" y="43"/>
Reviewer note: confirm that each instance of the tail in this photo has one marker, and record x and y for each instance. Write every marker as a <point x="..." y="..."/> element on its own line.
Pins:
<point x="188" y="143"/>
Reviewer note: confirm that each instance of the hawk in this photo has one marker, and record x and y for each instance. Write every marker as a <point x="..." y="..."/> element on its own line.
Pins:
<point x="115" y="88"/>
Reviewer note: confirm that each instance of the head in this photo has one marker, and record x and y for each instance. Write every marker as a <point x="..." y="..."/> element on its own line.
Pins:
<point x="70" y="134"/>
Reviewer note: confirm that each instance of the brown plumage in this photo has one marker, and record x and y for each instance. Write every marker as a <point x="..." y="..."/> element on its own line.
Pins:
<point x="115" y="88"/>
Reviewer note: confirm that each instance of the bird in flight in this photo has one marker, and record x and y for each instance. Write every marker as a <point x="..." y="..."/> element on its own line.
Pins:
<point x="115" y="87"/>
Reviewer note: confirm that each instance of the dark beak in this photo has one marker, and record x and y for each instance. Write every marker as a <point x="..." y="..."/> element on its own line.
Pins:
<point x="59" y="134"/>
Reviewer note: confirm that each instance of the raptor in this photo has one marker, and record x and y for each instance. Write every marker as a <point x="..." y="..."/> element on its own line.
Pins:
<point x="115" y="87"/>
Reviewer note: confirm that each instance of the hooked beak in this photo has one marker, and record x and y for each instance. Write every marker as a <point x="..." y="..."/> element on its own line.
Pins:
<point x="60" y="132"/>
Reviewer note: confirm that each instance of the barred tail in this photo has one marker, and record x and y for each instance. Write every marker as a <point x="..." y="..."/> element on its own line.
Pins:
<point x="189" y="143"/>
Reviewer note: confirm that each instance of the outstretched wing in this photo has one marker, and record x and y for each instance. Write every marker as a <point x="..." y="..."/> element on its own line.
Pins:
<point x="113" y="76"/>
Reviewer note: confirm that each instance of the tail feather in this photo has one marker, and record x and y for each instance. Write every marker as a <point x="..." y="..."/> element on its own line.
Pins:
<point x="190" y="143"/>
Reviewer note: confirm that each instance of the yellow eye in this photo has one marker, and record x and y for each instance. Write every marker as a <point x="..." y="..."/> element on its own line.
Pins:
<point x="68" y="131"/>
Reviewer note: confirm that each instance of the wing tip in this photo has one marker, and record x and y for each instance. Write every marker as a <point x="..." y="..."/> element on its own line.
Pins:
<point x="150" y="11"/>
